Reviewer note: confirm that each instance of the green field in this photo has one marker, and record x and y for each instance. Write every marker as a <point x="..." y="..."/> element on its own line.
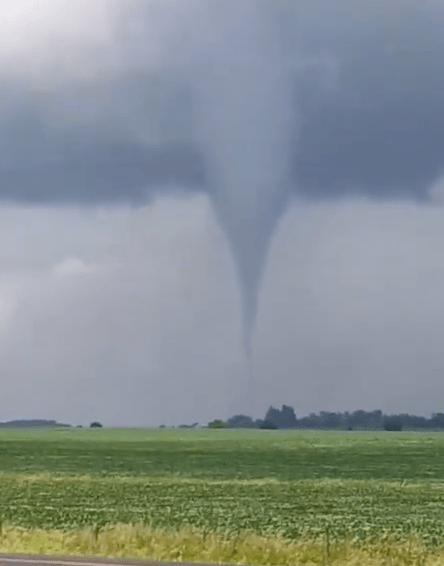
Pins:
<point x="320" y="495"/>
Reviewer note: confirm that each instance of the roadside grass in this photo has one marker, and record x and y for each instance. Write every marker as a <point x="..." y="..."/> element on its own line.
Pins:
<point x="189" y="544"/>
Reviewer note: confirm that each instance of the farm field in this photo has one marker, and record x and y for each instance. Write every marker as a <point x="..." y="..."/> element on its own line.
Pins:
<point x="233" y="496"/>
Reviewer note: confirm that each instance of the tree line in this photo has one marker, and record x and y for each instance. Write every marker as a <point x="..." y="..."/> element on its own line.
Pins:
<point x="286" y="418"/>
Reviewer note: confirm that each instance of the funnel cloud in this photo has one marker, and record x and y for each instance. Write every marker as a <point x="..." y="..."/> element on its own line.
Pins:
<point x="244" y="119"/>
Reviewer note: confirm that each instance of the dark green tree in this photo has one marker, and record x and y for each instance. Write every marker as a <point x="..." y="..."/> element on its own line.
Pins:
<point x="267" y="425"/>
<point x="392" y="424"/>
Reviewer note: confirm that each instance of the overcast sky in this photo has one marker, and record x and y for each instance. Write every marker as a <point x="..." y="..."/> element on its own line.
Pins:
<point x="119" y="292"/>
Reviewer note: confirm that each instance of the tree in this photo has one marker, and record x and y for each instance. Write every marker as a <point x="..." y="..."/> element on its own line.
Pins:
<point x="273" y="416"/>
<point x="392" y="424"/>
<point x="267" y="425"/>
<point x="285" y="418"/>
<point x="95" y="424"/>
<point x="330" y="420"/>
<point x="358" y="419"/>
<point x="289" y="419"/>
<point x="437" y="420"/>
<point x="241" y="421"/>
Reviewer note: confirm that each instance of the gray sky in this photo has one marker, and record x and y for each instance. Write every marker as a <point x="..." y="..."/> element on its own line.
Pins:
<point x="119" y="295"/>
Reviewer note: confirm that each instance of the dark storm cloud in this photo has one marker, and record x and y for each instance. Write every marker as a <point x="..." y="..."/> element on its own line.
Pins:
<point x="377" y="129"/>
<point x="83" y="164"/>
<point x="382" y="133"/>
<point x="101" y="170"/>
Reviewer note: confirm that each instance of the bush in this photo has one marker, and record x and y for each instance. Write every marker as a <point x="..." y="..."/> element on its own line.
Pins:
<point x="95" y="425"/>
<point x="218" y="423"/>
<point x="267" y="425"/>
<point x="392" y="425"/>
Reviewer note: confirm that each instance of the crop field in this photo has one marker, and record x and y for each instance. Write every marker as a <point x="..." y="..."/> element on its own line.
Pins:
<point x="235" y="496"/>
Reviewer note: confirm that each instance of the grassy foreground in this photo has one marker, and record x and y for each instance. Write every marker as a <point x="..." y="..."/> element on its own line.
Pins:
<point x="252" y="497"/>
<point x="190" y="544"/>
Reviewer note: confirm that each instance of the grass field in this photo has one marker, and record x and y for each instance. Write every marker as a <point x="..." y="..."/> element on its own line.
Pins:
<point x="237" y="496"/>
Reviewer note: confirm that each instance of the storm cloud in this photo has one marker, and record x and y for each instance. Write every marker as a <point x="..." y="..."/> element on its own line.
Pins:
<point x="367" y="92"/>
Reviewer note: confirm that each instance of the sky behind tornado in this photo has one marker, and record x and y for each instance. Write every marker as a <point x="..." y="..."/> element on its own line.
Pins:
<point x="180" y="179"/>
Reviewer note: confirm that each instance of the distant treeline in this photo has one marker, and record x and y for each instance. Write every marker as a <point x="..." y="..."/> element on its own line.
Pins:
<point x="286" y="419"/>
<point x="30" y="423"/>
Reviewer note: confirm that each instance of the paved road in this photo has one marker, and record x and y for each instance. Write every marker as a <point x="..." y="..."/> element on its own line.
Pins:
<point x="42" y="560"/>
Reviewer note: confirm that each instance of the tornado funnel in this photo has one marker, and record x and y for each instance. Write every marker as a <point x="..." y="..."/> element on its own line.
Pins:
<point x="244" y="119"/>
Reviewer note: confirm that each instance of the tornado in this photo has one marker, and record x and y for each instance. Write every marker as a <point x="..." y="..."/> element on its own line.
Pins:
<point x="244" y="120"/>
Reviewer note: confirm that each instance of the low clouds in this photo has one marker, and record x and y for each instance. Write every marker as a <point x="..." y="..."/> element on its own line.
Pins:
<point x="361" y="306"/>
<point x="135" y="323"/>
<point x="133" y="316"/>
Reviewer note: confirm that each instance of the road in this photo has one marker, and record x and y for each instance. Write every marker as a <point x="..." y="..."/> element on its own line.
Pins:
<point x="42" y="560"/>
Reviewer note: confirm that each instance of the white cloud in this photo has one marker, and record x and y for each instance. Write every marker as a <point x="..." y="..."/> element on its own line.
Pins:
<point x="72" y="266"/>
<point x="51" y="39"/>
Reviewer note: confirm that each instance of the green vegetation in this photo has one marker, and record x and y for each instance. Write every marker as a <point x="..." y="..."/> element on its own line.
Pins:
<point x="267" y="425"/>
<point x="393" y="425"/>
<point x="220" y="495"/>
<point x="218" y="423"/>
